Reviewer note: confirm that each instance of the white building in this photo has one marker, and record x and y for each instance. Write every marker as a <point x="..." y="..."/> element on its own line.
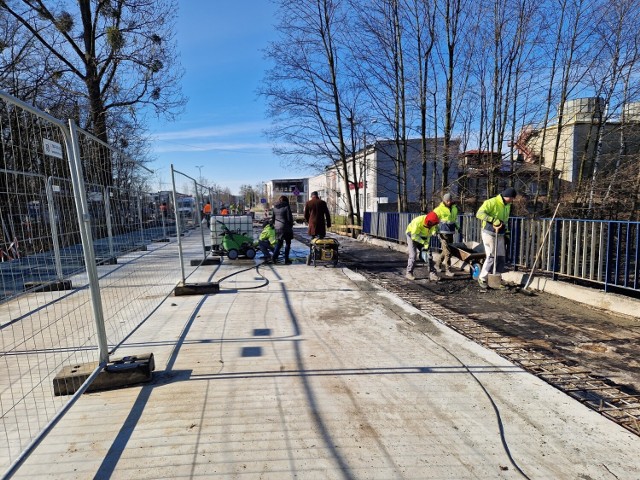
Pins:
<point x="378" y="166"/>
<point x="295" y="189"/>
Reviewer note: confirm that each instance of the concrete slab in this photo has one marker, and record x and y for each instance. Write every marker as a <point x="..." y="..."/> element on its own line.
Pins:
<point x="318" y="374"/>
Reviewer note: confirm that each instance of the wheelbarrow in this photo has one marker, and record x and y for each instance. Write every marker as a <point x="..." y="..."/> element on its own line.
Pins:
<point x="470" y="253"/>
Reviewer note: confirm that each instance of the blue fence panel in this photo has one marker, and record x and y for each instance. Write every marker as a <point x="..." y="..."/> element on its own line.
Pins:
<point x="603" y="252"/>
<point x="393" y="221"/>
<point x="366" y="223"/>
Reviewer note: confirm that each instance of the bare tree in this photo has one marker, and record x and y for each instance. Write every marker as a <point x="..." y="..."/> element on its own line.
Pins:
<point x="453" y="59"/>
<point x="422" y="33"/>
<point x="575" y="43"/>
<point x="307" y="89"/>
<point x="109" y="55"/>
<point x="502" y="47"/>
<point x="378" y="50"/>
<point x="558" y="57"/>
<point x="615" y="65"/>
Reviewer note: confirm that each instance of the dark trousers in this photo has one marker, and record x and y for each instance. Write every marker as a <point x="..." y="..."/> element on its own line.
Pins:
<point x="287" y="248"/>
<point x="265" y="247"/>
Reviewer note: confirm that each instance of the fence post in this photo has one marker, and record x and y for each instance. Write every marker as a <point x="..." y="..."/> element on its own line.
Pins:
<point x="54" y="228"/>
<point x="608" y="257"/>
<point x="557" y="246"/>
<point x="142" y="240"/>
<point x="84" y="219"/>
<point x="199" y="217"/>
<point x="513" y="243"/>
<point x="107" y="208"/>
<point x="177" y="215"/>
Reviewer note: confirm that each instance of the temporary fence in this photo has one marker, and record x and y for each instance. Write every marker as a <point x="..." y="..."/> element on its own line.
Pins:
<point x="74" y="265"/>
<point x="600" y="252"/>
<point x="189" y="216"/>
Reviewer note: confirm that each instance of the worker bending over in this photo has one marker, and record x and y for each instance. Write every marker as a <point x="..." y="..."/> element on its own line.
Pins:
<point x="267" y="240"/>
<point x="419" y="232"/>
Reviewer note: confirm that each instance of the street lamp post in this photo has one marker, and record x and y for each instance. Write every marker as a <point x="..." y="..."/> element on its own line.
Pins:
<point x="199" y="167"/>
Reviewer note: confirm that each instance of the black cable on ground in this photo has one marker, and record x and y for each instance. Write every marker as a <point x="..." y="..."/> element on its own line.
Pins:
<point x="503" y="439"/>
<point x="257" y="267"/>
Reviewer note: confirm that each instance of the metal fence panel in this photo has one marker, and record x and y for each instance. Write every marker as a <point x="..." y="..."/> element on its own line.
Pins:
<point x="188" y="218"/>
<point x="39" y="225"/>
<point x="48" y="173"/>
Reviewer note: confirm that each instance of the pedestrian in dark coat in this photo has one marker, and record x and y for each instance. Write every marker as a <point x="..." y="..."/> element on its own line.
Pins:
<point x="282" y="220"/>
<point x="316" y="214"/>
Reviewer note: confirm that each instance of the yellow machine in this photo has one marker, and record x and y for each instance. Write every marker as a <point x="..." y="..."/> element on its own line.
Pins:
<point x="324" y="250"/>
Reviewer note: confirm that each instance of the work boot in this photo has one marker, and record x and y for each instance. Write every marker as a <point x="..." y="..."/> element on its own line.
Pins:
<point x="409" y="276"/>
<point x="482" y="283"/>
<point x="449" y="273"/>
<point x="433" y="276"/>
<point x="287" y="261"/>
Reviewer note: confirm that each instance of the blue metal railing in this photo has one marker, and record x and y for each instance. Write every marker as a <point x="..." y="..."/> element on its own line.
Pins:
<point x="598" y="251"/>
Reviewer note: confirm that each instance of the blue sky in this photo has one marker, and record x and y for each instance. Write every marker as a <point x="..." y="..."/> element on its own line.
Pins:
<point x="220" y="44"/>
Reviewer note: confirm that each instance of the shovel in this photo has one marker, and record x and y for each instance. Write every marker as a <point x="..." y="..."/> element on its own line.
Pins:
<point x="494" y="280"/>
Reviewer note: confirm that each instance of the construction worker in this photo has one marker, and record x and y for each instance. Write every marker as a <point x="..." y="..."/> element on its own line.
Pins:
<point x="206" y="211"/>
<point x="494" y="214"/>
<point x="267" y="240"/>
<point x="419" y="232"/>
<point x="447" y="213"/>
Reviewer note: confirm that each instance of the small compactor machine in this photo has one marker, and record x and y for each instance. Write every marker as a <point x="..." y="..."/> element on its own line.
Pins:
<point x="232" y="235"/>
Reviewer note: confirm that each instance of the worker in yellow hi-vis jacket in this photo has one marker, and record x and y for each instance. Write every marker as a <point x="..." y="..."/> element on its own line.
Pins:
<point x="419" y="232"/>
<point x="494" y="214"/>
<point x="447" y="213"/>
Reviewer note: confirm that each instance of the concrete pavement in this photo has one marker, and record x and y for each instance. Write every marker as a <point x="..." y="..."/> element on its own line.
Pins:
<point x="313" y="373"/>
